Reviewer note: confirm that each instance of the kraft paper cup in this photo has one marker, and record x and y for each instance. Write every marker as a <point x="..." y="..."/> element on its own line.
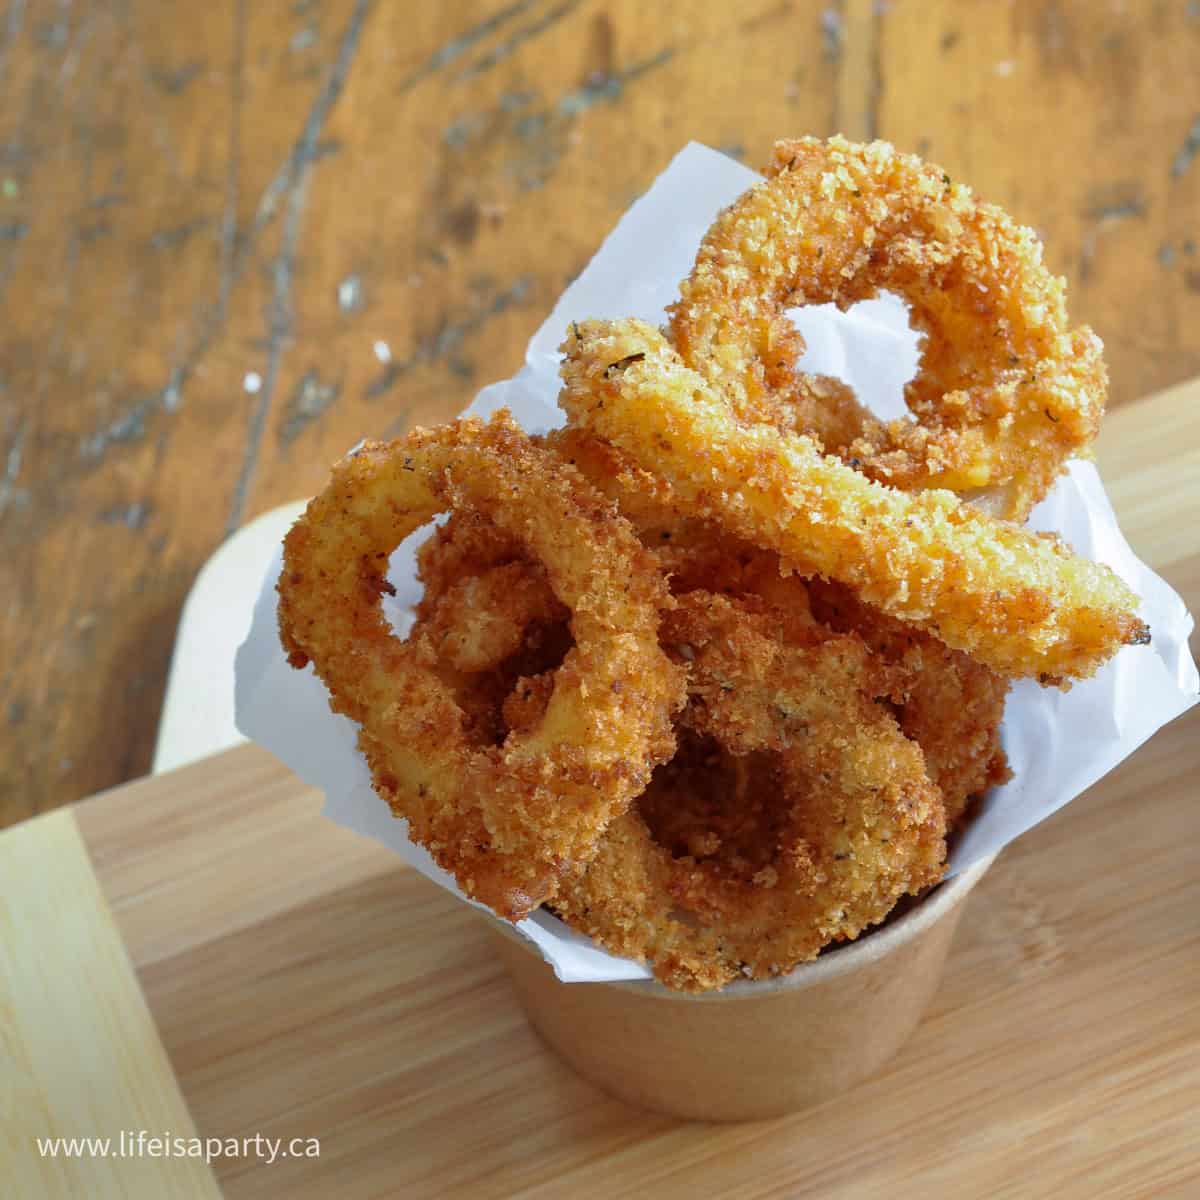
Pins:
<point x="758" y="1048"/>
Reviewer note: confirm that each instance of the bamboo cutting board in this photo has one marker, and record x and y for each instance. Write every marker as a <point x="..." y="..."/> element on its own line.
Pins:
<point x="303" y="985"/>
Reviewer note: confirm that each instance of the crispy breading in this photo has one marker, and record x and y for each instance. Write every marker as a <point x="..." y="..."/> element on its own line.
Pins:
<point x="506" y="820"/>
<point x="950" y="705"/>
<point x="1021" y="603"/>
<point x="854" y="820"/>
<point x="1005" y="391"/>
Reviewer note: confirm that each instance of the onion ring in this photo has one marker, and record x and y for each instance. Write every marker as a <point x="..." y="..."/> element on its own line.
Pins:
<point x="1021" y="603"/>
<point x="695" y="553"/>
<point x="1005" y="390"/>
<point x="859" y="823"/>
<point x="481" y="592"/>
<point x="949" y="705"/>
<point x="481" y="619"/>
<point x="506" y="820"/>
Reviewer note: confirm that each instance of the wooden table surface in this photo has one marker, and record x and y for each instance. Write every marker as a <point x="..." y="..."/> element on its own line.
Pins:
<point x="236" y="236"/>
<point x="287" y="979"/>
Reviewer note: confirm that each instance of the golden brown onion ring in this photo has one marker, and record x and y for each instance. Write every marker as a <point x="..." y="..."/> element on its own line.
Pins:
<point x="508" y="819"/>
<point x="480" y="620"/>
<point x="1005" y="390"/>
<point x="694" y="552"/>
<point x="857" y="822"/>
<point x="1021" y="603"/>
<point x="947" y="703"/>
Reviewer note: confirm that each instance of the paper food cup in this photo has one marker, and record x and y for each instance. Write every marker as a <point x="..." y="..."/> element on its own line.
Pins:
<point x="754" y="1049"/>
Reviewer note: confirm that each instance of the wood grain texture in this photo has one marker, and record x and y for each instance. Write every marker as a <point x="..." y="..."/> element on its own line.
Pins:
<point x="81" y="1056"/>
<point x="305" y="986"/>
<point x="337" y="996"/>
<point x="237" y="238"/>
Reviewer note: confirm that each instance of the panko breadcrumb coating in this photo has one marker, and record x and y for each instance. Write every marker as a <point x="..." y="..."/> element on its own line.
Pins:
<point x="856" y="822"/>
<point x="507" y="819"/>
<point x="949" y="704"/>
<point x="1005" y="391"/>
<point x="1021" y="603"/>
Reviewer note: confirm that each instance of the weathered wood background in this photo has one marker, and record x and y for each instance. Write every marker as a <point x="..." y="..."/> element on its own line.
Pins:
<point x="236" y="236"/>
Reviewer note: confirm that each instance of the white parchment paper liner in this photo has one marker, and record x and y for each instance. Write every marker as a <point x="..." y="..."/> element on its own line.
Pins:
<point x="1058" y="744"/>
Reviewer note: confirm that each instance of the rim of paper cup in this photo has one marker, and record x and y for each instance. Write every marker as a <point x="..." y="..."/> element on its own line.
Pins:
<point x="832" y="964"/>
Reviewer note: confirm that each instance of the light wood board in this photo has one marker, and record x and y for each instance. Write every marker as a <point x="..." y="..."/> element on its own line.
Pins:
<point x="80" y="1055"/>
<point x="305" y="986"/>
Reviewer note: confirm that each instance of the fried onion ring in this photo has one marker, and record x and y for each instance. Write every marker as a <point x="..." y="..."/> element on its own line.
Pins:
<point x="694" y="552"/>
<point x="505" y="820"/>
<point x="480" y="620"/>
<point x="951" y="706"/>
<point x="947" y="703"/>
<point x="1021" y="603"/>
<point x="857" y="824"/>
<point x="1005" y="390"/>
